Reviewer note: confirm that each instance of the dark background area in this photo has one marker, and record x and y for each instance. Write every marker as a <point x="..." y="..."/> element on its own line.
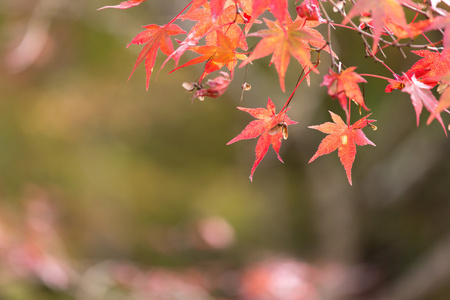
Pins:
<point x="108" y="191"/>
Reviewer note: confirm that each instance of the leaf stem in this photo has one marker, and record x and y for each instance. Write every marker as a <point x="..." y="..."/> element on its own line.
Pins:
<point x="349" y="111"/>
<point x="182" y="11"/>
<point x="376" y="76"/>
<point x="300" y="79"/>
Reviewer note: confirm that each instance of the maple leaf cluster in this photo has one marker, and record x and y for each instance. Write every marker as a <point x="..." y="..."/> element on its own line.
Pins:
<point x="219" y="38"/>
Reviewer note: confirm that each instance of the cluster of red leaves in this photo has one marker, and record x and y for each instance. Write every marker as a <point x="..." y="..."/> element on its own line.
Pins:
<point x="429" y="71"/>
<point x="224" y="25"/>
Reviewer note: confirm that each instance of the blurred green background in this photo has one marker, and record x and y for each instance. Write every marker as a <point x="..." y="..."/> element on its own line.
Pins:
<point x="108" y="191"/>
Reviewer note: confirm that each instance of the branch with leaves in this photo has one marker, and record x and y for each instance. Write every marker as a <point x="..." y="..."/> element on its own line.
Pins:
<point x="219" y="37"/>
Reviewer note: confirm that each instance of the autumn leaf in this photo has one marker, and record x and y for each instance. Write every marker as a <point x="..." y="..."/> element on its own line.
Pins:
<point x="205" y="24"/>
<point x="392" y="28"/>
<point x="219" y="6"/>
<point x="343" y="86"/>
<point x="413" y="30"/>
<point x="422" y="96"/>
<point x="444" y="100"/>
<point x="381" y="12"/>
<point x="431" y="66"/>
<point x="156" y="37"/>
<point x="284" y="41"/>
<point x="269" y="127"/>
<point x="189" y="41"/>
<point x="278" y="8"/>
<point x="216" y="7"/>
<point x="124" y="4"/>
<point x="344" y="138"/>
<point x="444" y="103"/>
<point x="442" y="22"/>
<point x="224" y="54"/>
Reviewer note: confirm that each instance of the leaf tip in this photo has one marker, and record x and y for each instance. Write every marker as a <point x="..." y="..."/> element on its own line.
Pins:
<point x="349" y="175"/>
<point x="313" y="158"/>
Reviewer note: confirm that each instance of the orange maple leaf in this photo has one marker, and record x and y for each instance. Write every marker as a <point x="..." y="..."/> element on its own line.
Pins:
<point x="216" y="7"/>
<point x="269" y="127"/>
<point x="344" y="138"/>
<point x="413" y="30"/>
<point x="284" y="41"/>
<point x="224" y="54"/>
<point x="382" y="11"/>
<point x="124" y="4"/>
<point x="345" y="85"/>
<point x="156" y="37"/>
<point x="432" y="66"/>
<point x="226" y="22"/>
<point x="278" y="8"/>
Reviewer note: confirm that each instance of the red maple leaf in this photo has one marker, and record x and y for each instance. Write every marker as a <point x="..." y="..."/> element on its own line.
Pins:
<point x="444" y="100"/>
<point x="395" y="84"/>
<point x="205" y="24"/>
<point x="442" y="22"/>
<point x="284" y="41"/>
<point x="224" y="54"/>
<point x="156" y="37"/>
<point x="413" y="30"/>
<point x="345" y="85"/>
<point x="124" y="4"/>
<point x="344" y="138"/>
<point x="216" y="7"/>
<point x="269" y="127"/>
<point x="392" y="28"/>
<point x="382" y="11"/>
<point x="422" y="96"/>
<point x="279" y="8"/>
<point x="433" y="65"/>
<point x="189" y="41"/>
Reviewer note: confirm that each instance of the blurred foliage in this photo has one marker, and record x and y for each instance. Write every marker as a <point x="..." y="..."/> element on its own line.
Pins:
<point x="111" y="192"/>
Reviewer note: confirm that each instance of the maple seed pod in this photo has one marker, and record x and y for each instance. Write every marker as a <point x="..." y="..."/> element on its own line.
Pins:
<point x="190" y="86"/>
<point x="441" y="88"/>
<point x="284" y="131"/>
<point x="280" y="126"/>
<point x="246" y="86"/>
<point x="339" y="6"/>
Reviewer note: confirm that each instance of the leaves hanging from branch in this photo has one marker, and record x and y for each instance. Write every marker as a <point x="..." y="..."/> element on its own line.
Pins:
<point x="220" y="30"/>
<point x="284" y="41"/>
